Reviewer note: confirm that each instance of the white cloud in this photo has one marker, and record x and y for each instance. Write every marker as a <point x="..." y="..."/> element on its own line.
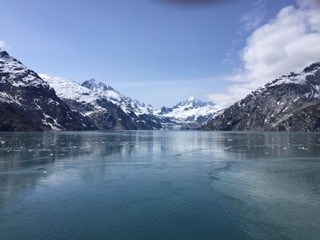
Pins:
<point x="287" y="43"/>
<point x="2" y="44"/>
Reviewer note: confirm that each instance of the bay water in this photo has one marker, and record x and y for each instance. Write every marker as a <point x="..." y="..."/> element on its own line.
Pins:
<point x="159" y="185"/>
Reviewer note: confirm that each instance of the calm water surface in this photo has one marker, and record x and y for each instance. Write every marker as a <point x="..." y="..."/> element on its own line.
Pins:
<point x="159" y="185"/>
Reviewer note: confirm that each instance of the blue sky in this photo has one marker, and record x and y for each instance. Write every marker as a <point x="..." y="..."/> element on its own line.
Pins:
<point x="157" y="51"/>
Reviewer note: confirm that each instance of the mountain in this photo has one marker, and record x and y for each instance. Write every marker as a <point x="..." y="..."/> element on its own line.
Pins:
<point x="108" y="108"/>
<point x="189" y="114"/>
<point x="28" y="103"/>
<point x="289" y="103"/>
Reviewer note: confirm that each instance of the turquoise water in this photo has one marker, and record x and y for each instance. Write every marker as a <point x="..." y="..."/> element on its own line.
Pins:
<point x="159" y="185"/>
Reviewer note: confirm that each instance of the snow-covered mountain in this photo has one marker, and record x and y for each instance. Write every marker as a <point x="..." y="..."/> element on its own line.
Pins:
<point x="191" y="113"/>
<point x="108" y="108"/>
<point x="39" y="102"/>
<point x="289" y="103"/>
<point x="127" y="104"/>
<point x="28" y="103"/>
<point x="100" y="102"/>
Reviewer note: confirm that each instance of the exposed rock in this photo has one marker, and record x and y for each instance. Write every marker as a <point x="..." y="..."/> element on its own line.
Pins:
<point x="290" y="103"/>
<point x="28" y="103"/>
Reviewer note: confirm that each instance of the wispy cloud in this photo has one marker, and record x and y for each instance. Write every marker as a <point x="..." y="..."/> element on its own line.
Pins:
<point x="253" y="18"/>
<point x="286" y="43"/>
<point x="2" y="44"/>
<point x="248" y="21"/>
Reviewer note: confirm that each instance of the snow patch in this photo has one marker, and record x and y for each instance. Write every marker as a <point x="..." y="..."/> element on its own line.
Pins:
<point x="5" y="97"/>
<point x="18" y="74"/>
<point x="53" y="124"/>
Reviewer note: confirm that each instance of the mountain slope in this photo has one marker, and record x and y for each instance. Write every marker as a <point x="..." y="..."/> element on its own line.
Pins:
<point x="105" y="106"/>
<point x="290" y="103"/>
<point x="28" y="103"/>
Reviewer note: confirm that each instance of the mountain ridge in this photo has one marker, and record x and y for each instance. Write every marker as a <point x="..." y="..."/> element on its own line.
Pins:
<point x="289" y="103"/>
<point x="108" y="108"/>
<point x="28" y="103"/>
<point x="191" y="113"/>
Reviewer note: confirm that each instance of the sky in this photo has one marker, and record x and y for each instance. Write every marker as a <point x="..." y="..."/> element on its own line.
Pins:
<point x="163" y="51"/>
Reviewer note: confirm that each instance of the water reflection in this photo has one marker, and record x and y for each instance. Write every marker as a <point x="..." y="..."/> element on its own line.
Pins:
<point x="251" y="184"/>
<point x="272" y="144"/>
<point x="32" y="152"/>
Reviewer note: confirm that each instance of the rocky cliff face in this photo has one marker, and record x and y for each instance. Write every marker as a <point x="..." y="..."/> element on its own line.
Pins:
<point x="290" y="103"/>
<point x="28" y="103"/>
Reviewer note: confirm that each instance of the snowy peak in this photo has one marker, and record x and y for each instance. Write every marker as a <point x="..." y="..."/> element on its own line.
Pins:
<point x="192" y="103"/>
<point x="92" y="84"/>
<point x="18" y="74"/>
<point x="101" y="90"/>
<point x="127" y="104"/>
<point x="189" y="111"/>
<point x="90" y="91"/>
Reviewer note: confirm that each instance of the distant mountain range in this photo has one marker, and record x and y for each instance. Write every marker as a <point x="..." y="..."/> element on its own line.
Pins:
<point x="32" y="102"/>
<point x="110" y="109"/>
<point x="189" y="114"/>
